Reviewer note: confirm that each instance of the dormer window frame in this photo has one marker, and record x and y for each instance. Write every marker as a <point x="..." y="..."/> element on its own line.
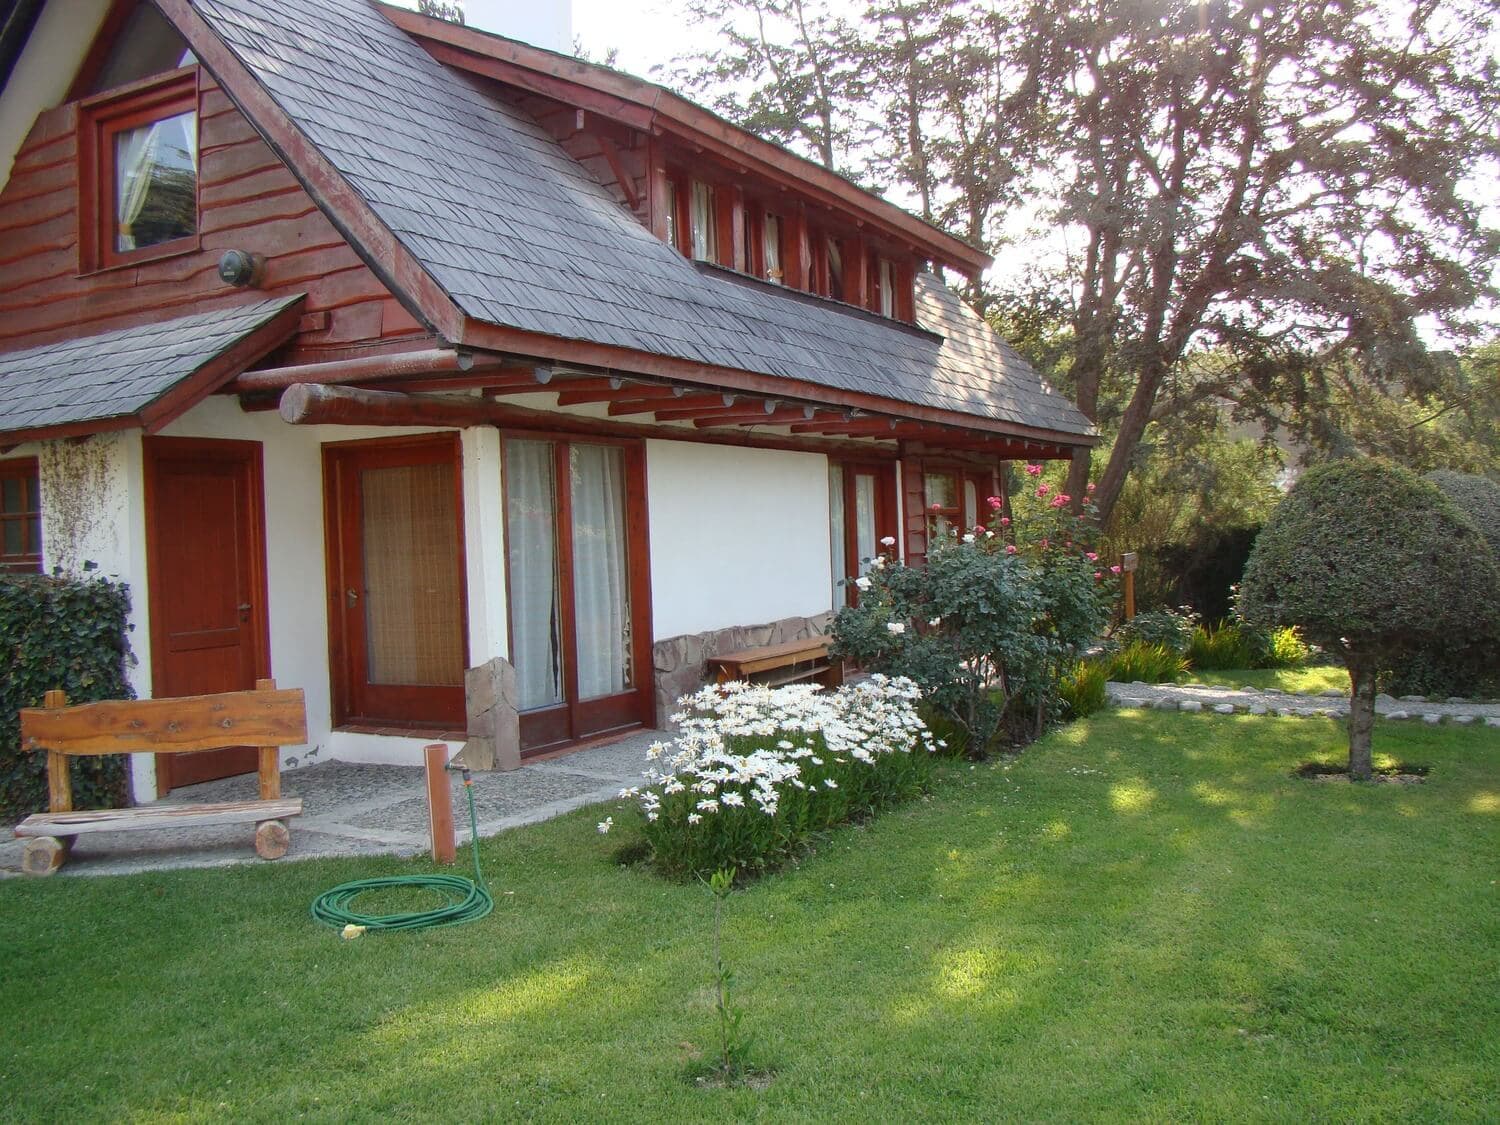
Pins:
<point x="104" y="117"/>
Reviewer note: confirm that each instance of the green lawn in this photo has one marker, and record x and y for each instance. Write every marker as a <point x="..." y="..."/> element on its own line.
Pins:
<point x="1144" y="917"/>
<point x="1315" y="679"/>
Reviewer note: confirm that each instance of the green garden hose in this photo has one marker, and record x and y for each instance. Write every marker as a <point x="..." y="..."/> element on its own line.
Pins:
<point x="467" y="899"/>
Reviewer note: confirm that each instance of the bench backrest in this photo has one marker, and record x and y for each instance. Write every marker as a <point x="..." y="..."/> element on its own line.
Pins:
<point x="266" y="718"/>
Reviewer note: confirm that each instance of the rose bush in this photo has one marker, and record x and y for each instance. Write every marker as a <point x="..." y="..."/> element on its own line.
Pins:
<point x="754" y="771"/>
<point x="988" y="627"/>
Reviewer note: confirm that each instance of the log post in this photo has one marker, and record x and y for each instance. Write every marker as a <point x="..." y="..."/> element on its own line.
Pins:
<point x="439" y="803"/>
<point x="272" y="839"/>
<point x="59" y="783"/>
<point x="269" y="770"/>
<point x="42" y="855"/>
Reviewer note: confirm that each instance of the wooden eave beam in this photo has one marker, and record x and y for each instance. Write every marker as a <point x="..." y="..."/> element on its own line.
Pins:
<point x="384" y="367"/>
<point x="316" y="404"/>
<point x="781" y="416"/>
<point x="483" y="336"/>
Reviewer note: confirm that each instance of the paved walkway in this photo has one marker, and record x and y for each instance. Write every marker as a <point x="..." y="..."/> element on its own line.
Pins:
<point x="354" y="809"/>
<point x="1269" y="701"/>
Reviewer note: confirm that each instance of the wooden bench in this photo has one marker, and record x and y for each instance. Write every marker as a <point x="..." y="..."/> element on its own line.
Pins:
<point x="785" y="663"/>
<point x="266" y="718"/>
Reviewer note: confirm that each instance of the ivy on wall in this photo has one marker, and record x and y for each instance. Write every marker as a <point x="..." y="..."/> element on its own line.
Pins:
<point x="59" y="632"/>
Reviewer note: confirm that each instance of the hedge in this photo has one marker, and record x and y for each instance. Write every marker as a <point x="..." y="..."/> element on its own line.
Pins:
<point x="59" y="632"/>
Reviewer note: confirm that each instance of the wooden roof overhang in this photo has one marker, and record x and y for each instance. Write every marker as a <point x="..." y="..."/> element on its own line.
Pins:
<point x="652" y="109"/>
<point x="417" y="388"/>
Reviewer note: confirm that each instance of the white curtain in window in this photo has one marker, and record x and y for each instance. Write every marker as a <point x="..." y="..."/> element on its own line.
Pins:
<point x="971" y="505"/>
<point x="836" y="531"/>
<point x="601" y="596"/>
<point x="135" y="165"/>
<point x="864" y="519"/>
<point x="531" y="511"/>
<point x="704" y="222"/>
<point x="771" y="237"/>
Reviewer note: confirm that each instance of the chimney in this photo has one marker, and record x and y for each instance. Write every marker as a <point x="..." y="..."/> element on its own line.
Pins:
<point x="542" y="23"/>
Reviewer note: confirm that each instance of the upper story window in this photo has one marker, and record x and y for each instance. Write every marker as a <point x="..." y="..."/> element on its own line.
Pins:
<point x="138" y="148"/>
<point x="771" y="249"/>
<point x="703" y="222"/>
<point x="20" y="516"/>
<point x="885" y="281"/>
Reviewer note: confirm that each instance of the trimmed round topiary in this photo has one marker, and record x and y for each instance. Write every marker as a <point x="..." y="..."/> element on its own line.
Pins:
<point x="1476" y="497"/>
<point x="1371" y="562"/>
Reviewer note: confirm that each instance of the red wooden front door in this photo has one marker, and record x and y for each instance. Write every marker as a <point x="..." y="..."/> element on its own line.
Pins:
<point x="205" y="565"/>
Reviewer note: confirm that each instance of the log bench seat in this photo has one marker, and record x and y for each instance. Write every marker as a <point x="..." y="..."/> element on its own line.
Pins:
<point x="266" y="718"/>
<point x="785" y="663"/>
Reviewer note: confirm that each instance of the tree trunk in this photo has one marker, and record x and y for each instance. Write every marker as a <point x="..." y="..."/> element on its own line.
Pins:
<point x="1361" y="722"/>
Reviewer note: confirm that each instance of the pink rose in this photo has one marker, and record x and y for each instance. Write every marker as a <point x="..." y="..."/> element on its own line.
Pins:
<point x="1060" y="500"/>
<point x="1091" y="488"/>
<point x="1043" y="544"/>
<point x="1010" y="548"/>
<point x="1004" y="521"/>
<point x="1034" y="470"/>
<point x="937" y="507"/>
<point x="1092" y="556"/>
<point x="1098" y="575"/>
<point x="1043" y="489"/>
<point x="1114" y="570"/>
<point x="995" y="503"/>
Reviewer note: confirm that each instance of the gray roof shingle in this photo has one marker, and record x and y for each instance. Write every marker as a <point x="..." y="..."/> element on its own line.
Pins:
<point x="520" y="235"/>
<point x="118" y="374"/>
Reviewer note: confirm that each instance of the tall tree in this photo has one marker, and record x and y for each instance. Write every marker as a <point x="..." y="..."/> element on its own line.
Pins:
<point x="1298" y="187"/>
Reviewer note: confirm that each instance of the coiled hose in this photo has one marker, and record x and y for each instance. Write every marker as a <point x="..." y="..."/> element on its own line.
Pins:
<point x="467" y="900"/>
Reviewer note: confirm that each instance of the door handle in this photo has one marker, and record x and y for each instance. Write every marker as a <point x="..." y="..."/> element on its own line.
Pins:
<point x="244" y="608"/>
<point x="350" y="597"/>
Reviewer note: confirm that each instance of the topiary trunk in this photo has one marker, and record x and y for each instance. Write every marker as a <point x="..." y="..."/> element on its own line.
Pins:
<point x="1361" y="721"/>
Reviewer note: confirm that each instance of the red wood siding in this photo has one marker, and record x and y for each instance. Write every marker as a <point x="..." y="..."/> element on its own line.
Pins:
<point x="248" y="200"/>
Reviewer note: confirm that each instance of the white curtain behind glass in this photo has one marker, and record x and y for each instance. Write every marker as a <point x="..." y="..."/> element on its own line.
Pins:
<point x="864" y="519"/>
<point x="530" y="507"/>
<point x="836" y="530"/>
<point x="601" y="596"/>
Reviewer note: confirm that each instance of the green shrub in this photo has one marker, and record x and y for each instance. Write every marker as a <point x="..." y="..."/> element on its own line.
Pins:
<point x="1083" y="688"/>
<point x="1284" y="648"/>
<point x="1225" y="646"/>
<point x="59" y="632"/>
<point x="1476" y="497"/>
<point x="988" y="626"/>
<point x="1173" y="628"/>
<point x="756" y="771"/>
<point x="1374" y="564"/>
<point x="1451" y="668"/>
<point x="1150" y="664"/>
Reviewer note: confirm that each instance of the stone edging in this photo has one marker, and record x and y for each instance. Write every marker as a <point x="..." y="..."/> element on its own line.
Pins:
<point x="1198" y="698"/>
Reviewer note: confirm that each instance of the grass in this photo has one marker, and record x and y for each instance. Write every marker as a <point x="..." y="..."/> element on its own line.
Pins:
<point x="1144" y="917"/>
<point x="1313" y="679"/>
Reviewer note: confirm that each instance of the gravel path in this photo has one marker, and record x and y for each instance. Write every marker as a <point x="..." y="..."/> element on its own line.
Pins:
<point x="1269" y="701"/>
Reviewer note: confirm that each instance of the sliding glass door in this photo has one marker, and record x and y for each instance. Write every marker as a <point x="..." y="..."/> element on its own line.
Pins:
<point x="575" y="546"/>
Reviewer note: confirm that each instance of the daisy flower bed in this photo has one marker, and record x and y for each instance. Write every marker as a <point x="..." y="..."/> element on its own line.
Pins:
<point x="755" y="771"/>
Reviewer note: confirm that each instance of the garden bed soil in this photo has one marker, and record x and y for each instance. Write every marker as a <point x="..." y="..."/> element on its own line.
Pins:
<point x="1402" y="773"/>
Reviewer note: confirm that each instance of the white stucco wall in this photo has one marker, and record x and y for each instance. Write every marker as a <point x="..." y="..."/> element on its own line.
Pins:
<point x="738" y="536"/>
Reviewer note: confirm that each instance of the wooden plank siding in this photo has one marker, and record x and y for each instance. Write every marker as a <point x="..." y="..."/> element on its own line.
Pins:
<point x="248" y="200"/>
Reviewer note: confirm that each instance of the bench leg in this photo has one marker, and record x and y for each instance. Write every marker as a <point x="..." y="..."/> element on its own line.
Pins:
<point x="271" y="839"/>
<point x="42" y="855"/>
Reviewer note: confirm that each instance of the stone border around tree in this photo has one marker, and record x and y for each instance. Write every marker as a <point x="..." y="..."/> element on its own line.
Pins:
<point x="1329" y="704"/>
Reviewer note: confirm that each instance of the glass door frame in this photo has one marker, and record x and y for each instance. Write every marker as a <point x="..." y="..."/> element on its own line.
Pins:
<point x="552" y="727"/>
<point x="884" y="473"/>
<point x="355" y="699"/>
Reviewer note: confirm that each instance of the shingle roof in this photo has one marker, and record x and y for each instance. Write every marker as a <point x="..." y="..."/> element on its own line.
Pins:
<point x="520" y="235"/>
<point x="119" y="374"/>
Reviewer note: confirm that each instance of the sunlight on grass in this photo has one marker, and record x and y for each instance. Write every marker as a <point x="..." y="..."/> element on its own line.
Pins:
<point x="1485" y="802"/>
<point x="1211" y="794"/>
<point x="1056" y="830"/>
<point x="1315" y="679"/>
<point x="967" y="974"/>
<point x="527" y="995"/>
<point x="1132" y="797"/>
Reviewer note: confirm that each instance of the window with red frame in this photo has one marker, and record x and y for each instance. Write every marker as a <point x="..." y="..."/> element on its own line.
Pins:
<point x="138" y="149"/>
<point x="20" y="516"/>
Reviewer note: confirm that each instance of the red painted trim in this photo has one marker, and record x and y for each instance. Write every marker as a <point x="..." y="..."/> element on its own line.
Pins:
<point x="25" y="470"/>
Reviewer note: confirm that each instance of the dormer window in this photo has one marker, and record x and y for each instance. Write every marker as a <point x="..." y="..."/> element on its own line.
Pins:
<point x="703" y="222"/>
<point x="139" y="174"/>
<point x="885" y="281"/>
<point x="771" y="249"/>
